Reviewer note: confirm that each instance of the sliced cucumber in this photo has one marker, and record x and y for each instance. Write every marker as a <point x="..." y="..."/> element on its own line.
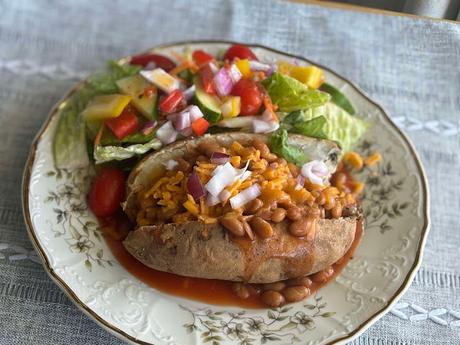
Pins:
<point x="135" y="86"/>
<point x="209" y="104"/>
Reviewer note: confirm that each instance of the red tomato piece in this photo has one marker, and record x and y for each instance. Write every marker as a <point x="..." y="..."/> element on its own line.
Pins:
<point x="107" y="192"/>
<point x="250" y="95"/>
<point x="200" y="126"/>
<point x="125" y="124"/>
<point x="171" y="102"/>
<point x="201" y="58"/>
<point x="159" y="60"/>
<point x="207" y="79"/>
<point x="239" y="51"/>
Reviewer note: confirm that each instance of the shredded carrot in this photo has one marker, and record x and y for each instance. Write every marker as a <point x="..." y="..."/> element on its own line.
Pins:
<point x="183" y="66"/>
<point x="373" y="159"/>
<point x="97" y="140"/>
<point x="270" y="107"/>
<point x="178" y="56"/>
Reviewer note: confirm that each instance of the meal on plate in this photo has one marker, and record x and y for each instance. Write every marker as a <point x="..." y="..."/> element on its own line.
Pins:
<point x="223" y="169"/>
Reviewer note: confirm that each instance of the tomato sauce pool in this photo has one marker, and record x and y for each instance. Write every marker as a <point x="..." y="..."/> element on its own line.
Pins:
<point x="211" y="291"/>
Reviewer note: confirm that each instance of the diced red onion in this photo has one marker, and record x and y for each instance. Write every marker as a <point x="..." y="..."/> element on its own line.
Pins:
<point x="225" y="176"/>
<point x="219" y="158"/>
<point x="258" y="66"/>
<point x="171" y="117"/>
<point x="186" y="132"/>
<point x="245" y="196"/>
<point x="166" y="133"/>
<point x="148" y="127"/>
<point x="273" y="165"/>
<point x="273" y="69"/>
<point x="182" y="121"/>
<point x="315" y="171"/>
<point x="213" y="66"/>
<point x="223" y="82"/>
<point x="211" y="200"/>
<point x="195" y="113"/>
<point x="235" y="73"/>
<point x="170" y="164"/>
<point x="300" y="182"/>
<point x="194" y="186"/>
<point x="189" y="93"/>
<point x="151" y="65"/>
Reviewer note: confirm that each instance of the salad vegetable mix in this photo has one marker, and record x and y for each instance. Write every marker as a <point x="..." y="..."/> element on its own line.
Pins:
<point x="153" y="100"/>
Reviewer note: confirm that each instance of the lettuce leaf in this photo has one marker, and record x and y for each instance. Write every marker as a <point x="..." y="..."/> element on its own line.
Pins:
<point x="104" y="154"/>
<point x="339" y="126"/>
<point x="289" y="94"/>
<point x="69" y="144"/>
<point x="279" y="145"/>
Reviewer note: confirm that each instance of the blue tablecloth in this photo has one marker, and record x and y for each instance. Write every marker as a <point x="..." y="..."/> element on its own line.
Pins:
<point x="411" y="66"/>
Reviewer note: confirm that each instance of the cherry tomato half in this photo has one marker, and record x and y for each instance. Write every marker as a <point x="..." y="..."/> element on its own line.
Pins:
<point x="250" y="95"/>
<point x="239" y="51"/>
<point x="159" y="60"/>
<point x="201" y="57"/>
<point x="107" y="192"/>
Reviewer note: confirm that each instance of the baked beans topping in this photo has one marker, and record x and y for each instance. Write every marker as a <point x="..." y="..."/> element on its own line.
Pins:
<point x="274" y="189"/>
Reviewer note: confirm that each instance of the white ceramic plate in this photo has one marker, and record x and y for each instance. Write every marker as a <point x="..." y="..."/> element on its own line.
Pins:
<point x="69" y="241"/>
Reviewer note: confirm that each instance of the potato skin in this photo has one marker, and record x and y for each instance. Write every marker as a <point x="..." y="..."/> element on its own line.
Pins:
<point x="194" y="249"/>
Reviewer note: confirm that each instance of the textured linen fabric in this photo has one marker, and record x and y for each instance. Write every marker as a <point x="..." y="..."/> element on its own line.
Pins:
<point x="410" y="66"/>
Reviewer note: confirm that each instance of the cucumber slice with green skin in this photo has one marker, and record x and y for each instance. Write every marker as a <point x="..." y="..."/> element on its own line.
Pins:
<point x="338" y="98"/>
<point x="209" y="104"/>
<point x="135" y="86"/>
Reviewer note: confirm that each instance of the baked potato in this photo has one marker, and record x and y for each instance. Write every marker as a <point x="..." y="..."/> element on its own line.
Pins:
<point x="205" y="246"/>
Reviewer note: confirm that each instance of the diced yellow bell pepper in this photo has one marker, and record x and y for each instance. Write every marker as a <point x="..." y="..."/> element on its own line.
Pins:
<point x="231" y="107"/>
<point x="243" y="66"/>
<point x="310" y="75"/>
<point x="285" y="67"/>
<point x="106" y="107"/>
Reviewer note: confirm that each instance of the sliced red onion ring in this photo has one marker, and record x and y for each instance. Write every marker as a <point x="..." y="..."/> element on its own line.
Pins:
<point x="148" y="127"/>
<point x="151" y="65"/>
<point x="166" y="133"/>
<point x="186" y="132"/>
<point x="245" y="196"/>
<point x="213" y="66"/>
<point x="258" y="66"/>
<point x="189" y="93"/>
<point x="315" y="171"/>
<point x="223" y="82"/>
<point x="194" y="186"/>
<point x="170" y="164"/>
<point x="224" y="195"/>
<point x="219" y="158"/>
<point x="300" y="182"/>
<point x="238" y="122"/>
<point x="211" y="200"/>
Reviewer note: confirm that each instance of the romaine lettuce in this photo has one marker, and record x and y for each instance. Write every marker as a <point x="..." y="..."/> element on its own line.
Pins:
<point x="279" y="145"/>
<point x="109" y="153"/>
<point x="289" y="94"/>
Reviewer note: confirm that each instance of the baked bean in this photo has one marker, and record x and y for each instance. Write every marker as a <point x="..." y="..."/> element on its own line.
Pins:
<point x="320" y="199"/>
<point x="285" y="203"/>
<point x="329" y="205"/>
<point x="294" y="213"/>
<point x="323" y="275"/>
<point x="261" y="227"/>
<point x="241" y="290"/>
<point x="271" y="157"/>
<point x="339" y="179"/>
<point x="273" y="298"/>
<point x="278" y="215"/>
<point x="336" y="212"/>
<point x="294" y="169"/>
<point x="303" y="227"/>
<point x="201" y="158"/>
<point x="300" y="281"/>
<point x="276" y="286"/>
<point x="262" y="147"/>
<point x="247" y="229"/>
<point x="295" y="293"/>
<point x="265" y="213"/>
<point x="281" y="161"/>
<point x="183" y="165"/>
<point x="253" y="289"/>
<point x="253" y="206"/>
<point x="233" y="225"/>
